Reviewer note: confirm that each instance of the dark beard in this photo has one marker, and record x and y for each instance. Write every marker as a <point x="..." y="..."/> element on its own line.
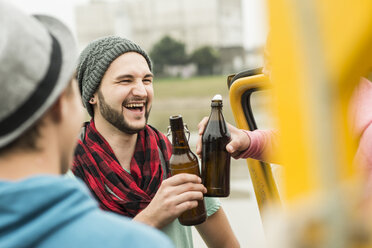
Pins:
<point x="116" y="118"/>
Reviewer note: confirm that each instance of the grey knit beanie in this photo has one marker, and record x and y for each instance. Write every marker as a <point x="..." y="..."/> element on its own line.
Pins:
<point x="96" y="58"/>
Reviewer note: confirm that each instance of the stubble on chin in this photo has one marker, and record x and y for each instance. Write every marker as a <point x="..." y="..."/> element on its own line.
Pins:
<point x="126" y="128"/>
<point x="117" y="119"/>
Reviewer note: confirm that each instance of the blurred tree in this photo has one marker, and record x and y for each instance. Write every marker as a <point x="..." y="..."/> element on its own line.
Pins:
<point x="167" y="51"/>
<point x="205" y="58"/>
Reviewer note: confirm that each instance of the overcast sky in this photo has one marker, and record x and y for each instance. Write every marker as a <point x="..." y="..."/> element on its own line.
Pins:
<point x="254" y="15"/>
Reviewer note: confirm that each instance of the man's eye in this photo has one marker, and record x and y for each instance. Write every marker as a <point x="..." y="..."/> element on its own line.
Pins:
<point x="147" y="81"/>
<point x="125" y="81"/>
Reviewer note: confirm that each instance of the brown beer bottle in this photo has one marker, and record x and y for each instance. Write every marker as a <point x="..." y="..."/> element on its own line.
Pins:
<point x="215" y="158"/>
<point x="183" y="160"/>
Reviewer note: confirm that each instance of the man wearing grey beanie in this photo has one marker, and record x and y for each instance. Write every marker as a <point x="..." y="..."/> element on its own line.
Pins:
<point x="123" y="160"/>
<point x="40" y="117"/>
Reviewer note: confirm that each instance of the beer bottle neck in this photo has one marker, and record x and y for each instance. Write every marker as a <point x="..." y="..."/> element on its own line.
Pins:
<point x="216" y="106"/>
<point x="179" y="142"/>
<point x="216" y="125"/>
<point x="216" y="103"/>
<point x="216" y="112"/>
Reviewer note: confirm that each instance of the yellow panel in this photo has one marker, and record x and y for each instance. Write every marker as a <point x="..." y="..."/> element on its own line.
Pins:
<point x="318" y="50"/>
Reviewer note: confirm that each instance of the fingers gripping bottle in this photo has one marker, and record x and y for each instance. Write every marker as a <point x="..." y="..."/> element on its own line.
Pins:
<point x="183" y="160"/>
<point x="215" y="158"/>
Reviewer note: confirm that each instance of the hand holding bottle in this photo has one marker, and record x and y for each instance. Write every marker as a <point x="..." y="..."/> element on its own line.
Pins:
<point x="183" y="160"/>
<point x="175" y="195"/>
<point x="240" y="141"/>
<point x="215" y="160"/>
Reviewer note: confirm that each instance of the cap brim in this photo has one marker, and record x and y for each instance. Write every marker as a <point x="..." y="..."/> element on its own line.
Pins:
<point x="69" y="54"/>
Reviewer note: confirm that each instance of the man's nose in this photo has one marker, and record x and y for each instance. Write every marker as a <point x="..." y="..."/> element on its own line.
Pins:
<point x="139" y="89"/>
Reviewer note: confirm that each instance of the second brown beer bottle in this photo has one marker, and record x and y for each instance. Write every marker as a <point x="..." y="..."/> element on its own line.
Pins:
<point x="183" y="160"/>
<point x="215" y="158"/>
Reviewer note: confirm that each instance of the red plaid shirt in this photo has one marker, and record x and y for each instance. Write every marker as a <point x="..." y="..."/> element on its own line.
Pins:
<point x="114" y="188"/>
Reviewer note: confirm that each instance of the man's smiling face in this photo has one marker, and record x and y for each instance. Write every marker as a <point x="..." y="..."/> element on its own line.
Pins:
<point x="125" y="95"/>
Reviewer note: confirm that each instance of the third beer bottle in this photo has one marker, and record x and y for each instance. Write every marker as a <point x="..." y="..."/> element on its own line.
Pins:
<point x="183" y="160"/>
<point x="215" y="158"/>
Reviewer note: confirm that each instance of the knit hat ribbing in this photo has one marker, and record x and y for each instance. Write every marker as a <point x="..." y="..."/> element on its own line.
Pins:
<point x="96" y="58"/>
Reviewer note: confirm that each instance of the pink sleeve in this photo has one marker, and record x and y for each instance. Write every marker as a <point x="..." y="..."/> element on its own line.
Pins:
<point x="263" y="143"/>
<point x="361" y="122"/>
<point x="364" y="151"/>
<point x="363" y="159"/>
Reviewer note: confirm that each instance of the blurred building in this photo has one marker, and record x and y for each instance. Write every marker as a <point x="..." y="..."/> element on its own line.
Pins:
<point x="196" y="23"/>
<point x="100" y="18"/>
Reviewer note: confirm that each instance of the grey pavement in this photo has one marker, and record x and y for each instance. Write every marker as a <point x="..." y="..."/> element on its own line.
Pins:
<point x="241" y="209"/>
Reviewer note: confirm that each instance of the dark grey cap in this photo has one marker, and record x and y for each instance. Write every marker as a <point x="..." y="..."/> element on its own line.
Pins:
<point x="96" y="58"/>
<point x="37" y="57"/>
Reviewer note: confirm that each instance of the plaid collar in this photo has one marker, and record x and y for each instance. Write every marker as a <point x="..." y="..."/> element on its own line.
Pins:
<point x="115" y="189"/>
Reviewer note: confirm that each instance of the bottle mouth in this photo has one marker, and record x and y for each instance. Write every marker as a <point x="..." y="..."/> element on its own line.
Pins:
<point x="176" y="122"/>
<point x="175" y="117"/>
<point x="216" y="103"/>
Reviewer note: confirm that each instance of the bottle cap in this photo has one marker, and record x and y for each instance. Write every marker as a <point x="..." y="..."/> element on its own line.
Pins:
<point x="216" y="101"/>
<point x="217" y="97"/>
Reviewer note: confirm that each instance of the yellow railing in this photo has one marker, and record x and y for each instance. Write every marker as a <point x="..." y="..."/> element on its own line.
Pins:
<point x="264" y="185"/>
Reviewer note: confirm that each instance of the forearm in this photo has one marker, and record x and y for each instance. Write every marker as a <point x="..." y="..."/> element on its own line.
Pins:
<point x="147" y="219"/>
<point x="263" y="144"/>
<point x="217" y="232"/>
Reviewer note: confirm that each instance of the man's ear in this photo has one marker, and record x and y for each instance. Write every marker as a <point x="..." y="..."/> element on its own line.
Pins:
<point x="58" y="109"/>
<point x="93" y="99"/>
